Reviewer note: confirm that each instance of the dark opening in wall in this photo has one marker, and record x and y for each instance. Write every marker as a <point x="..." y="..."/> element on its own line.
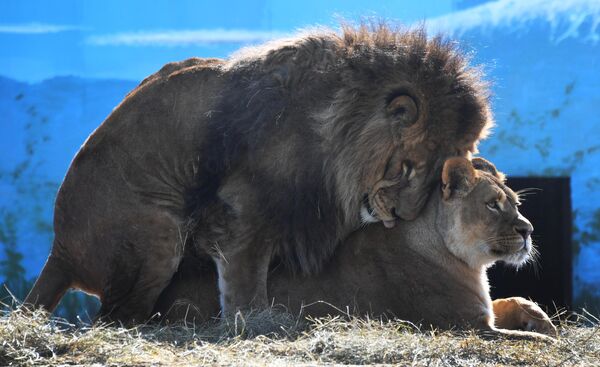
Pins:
<point x="548" y="207"/>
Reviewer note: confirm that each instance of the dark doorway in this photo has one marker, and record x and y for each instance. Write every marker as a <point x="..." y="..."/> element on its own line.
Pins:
<point x="548" y="207"/>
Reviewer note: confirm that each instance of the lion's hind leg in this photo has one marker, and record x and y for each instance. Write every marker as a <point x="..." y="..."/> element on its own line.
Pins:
<point x="130" y="304"/>
<point x="142" y="270"/>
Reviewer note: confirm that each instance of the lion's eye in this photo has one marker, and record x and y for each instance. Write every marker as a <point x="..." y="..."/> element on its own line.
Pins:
<point x="493" y="205"/>
<point x="404" y="109"/>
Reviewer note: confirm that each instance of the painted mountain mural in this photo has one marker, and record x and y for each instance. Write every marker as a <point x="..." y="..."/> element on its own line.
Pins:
<point x="542" y="57"/>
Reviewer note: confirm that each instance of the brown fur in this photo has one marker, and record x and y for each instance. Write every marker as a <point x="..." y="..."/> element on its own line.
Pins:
<point x="269" y="154"/>
<point x="413" y="271"/>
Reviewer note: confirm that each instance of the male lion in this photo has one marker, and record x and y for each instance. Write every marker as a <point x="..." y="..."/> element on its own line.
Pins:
<point x="431" y="270"/>
<point x="290" y="146"/>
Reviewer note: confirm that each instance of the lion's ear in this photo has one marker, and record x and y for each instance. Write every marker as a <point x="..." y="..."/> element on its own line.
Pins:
<point x="458" y="177"/>
<point x="487" y="166"/>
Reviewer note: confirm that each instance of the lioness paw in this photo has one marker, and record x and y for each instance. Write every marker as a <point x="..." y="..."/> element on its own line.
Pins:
<point x="519" y="313"/>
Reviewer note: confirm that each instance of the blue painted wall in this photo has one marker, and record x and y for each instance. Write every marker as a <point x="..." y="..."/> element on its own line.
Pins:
<point x="66" y="65"/>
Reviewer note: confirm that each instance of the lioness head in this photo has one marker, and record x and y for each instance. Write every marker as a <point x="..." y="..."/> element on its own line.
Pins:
<point x="406" y="103"/>
<point x="481" y="219"/>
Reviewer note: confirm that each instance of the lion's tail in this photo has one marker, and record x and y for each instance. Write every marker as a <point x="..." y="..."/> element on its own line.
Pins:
<point x="50" y="286"/>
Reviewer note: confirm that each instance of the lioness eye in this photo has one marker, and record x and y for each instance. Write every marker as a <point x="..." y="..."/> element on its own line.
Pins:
<point x="493" y="205"/>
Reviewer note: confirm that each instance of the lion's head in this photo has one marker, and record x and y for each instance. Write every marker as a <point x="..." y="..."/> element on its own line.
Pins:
<point x="405" y="104"/>
<point x="480" y="216"/>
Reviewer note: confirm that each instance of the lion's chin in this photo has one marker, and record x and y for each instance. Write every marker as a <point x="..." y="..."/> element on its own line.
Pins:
<point x="516" y="258"/>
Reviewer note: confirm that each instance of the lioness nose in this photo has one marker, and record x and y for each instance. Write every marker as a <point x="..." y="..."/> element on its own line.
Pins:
<point x="524" y="229"/>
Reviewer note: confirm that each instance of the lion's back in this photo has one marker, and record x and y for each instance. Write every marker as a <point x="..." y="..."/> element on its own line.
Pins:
<point x="147" y="150"/>
<point x="177" y="66"/>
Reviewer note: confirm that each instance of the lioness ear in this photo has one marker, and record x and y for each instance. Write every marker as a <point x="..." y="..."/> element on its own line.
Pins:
<point x="458" y="177"/>
<point x="487" y="166"/>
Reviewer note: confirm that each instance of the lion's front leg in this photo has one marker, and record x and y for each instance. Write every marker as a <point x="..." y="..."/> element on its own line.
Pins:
<point x="518" y="313"/>
<point x="242" y="268"/>
<point x="241" y="242"/>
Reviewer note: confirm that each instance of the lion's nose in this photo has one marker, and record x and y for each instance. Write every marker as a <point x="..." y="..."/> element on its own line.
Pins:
<point x="524" y="229"/>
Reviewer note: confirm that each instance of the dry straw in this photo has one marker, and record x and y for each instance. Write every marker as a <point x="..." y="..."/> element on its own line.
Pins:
<point x="274" y="338"/>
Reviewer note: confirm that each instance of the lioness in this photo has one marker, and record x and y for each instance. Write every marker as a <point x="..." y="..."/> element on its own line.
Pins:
<point x="295" y="144"/>
<point x="431" y="270"/>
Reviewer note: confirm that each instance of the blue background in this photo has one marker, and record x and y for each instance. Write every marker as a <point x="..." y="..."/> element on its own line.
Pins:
<point x="64" y="65"/>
